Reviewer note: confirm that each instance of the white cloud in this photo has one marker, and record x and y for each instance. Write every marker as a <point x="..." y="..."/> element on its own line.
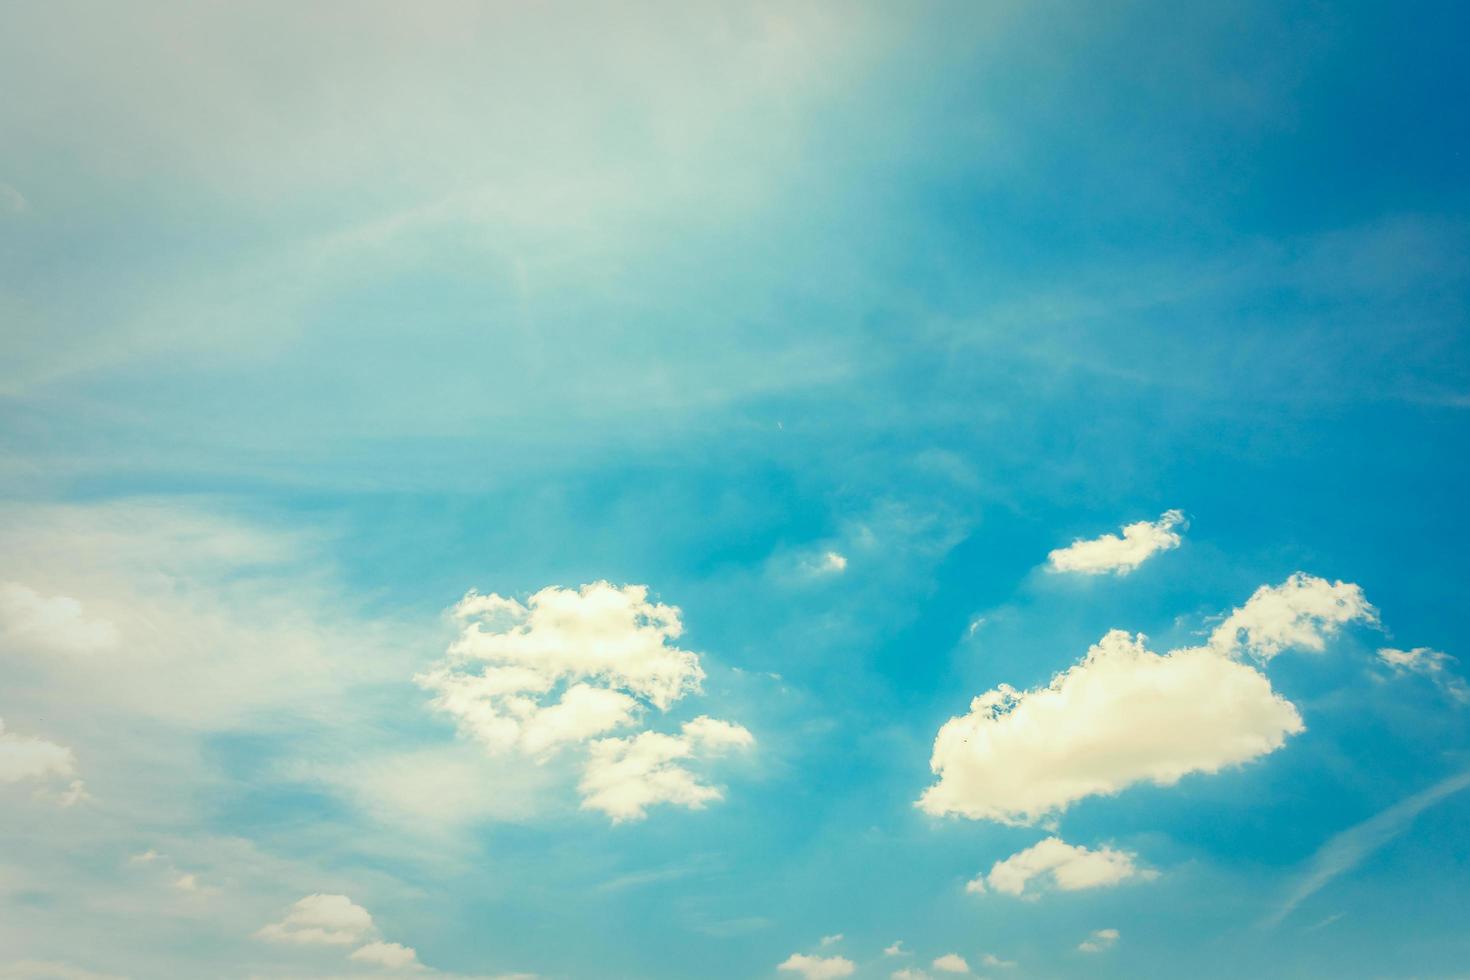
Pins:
<point x="896" y="949"/>
<point x="995" y="962"/>
<point x="625" y="776"/>
<point x="832" y="940"/>
<point x="1122" y="715"/>
<point x="329" y="920"/>
<point x="908" y="973"/>
<point x="610" y="652"/>
<point x="611" y="647"/>
<point x="833" y="562"/>
<point x="25" y="757"/>
<point x="1302" y="613"/>
<point x="391" y="955"/>
<point x="1433" y="664"/>
<point x="1071" y="868"/>
<point x="1100" y="940"/>
<point x="1120" y="555"/>
<point x="818" y="967"/>
<point x="951" y="963"/>
<point x="55" y="623"/>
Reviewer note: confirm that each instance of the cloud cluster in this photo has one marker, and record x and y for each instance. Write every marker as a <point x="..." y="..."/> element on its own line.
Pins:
<point x="1119" y="555"/>
<point x="570" y="666"/>
<point x="336" y="920"/>
<point x="1125" y="714"/>
<point x="1069" y="868"/>
<point x="818" y="967"/>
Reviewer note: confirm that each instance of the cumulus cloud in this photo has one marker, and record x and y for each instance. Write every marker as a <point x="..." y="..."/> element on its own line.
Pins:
<point x="326" y="920"/>
<point x="1122" y="715"/>
<point x="570" y="666"/>
<point x="389" y="955"/>
<point x="832" y="940"/>
<point x="1433" y="664"/>
<point x="995" y="962"/>
<point x="1125" y="714"/>
<point x="951" y="963"/>
<point x="896" y="949"/>
<point x="818" y="967"/>
<point x="608" y="649"/>
<point x="1301" y="613"/>
<point x="1119" y="555"/>
<point x="908" y="973"/>
<point x="1069" y="868"/>
<point x="1099" y="941"/>
<point x="26" y="758"/>
<point x="55" y="623"/>
<point x="625" y="776"/>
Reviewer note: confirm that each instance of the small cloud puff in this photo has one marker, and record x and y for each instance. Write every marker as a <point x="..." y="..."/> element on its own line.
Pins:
<point x="951" y="963"/>
<point x="1070" y="868"/>
<point x="1099" y="941"/>
<point x="1433" y="664"/>
<point x="389" y="955"/>
<point x="818" y="967"/>
<point x="1119" y="555"/>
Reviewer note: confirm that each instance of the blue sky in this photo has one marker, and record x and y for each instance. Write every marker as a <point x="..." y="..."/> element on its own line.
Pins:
<point x="798" y="491"/>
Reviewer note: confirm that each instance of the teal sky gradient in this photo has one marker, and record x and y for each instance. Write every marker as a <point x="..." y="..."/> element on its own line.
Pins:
<point x="828" y="324"/>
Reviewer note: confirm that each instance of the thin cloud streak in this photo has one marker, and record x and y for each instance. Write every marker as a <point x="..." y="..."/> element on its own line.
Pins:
<point x="1347" y="850"/>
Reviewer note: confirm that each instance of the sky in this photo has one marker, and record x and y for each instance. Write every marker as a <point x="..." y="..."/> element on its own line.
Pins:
<point x="794" y="490"/>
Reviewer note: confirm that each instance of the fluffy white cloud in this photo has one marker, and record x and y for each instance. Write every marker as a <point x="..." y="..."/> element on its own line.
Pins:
<point x="329" y="920"/>
<point x="896" y="949"/>
<point x="608" y="650"/>
<point x="818" y="967"/>
<point x="1120" y="716"/>
<point x="25" y="757"/>
<point x="832" y="940"/>
<point x="55" y="623"/>
<point x="571" y="666"/>
<point x="1120" y="555"/>
<point x="1070" y="868"/>
<point x="995" y="962"/>
<point x="391" y="955"/>
<point x="1302" y="613"/>
<point x="1433" y="664"/>
<point x="625" y="776"/>
<point x="1100" y="940"/>
<point x="908" y="973"/>
<point x="951" y="963"/>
